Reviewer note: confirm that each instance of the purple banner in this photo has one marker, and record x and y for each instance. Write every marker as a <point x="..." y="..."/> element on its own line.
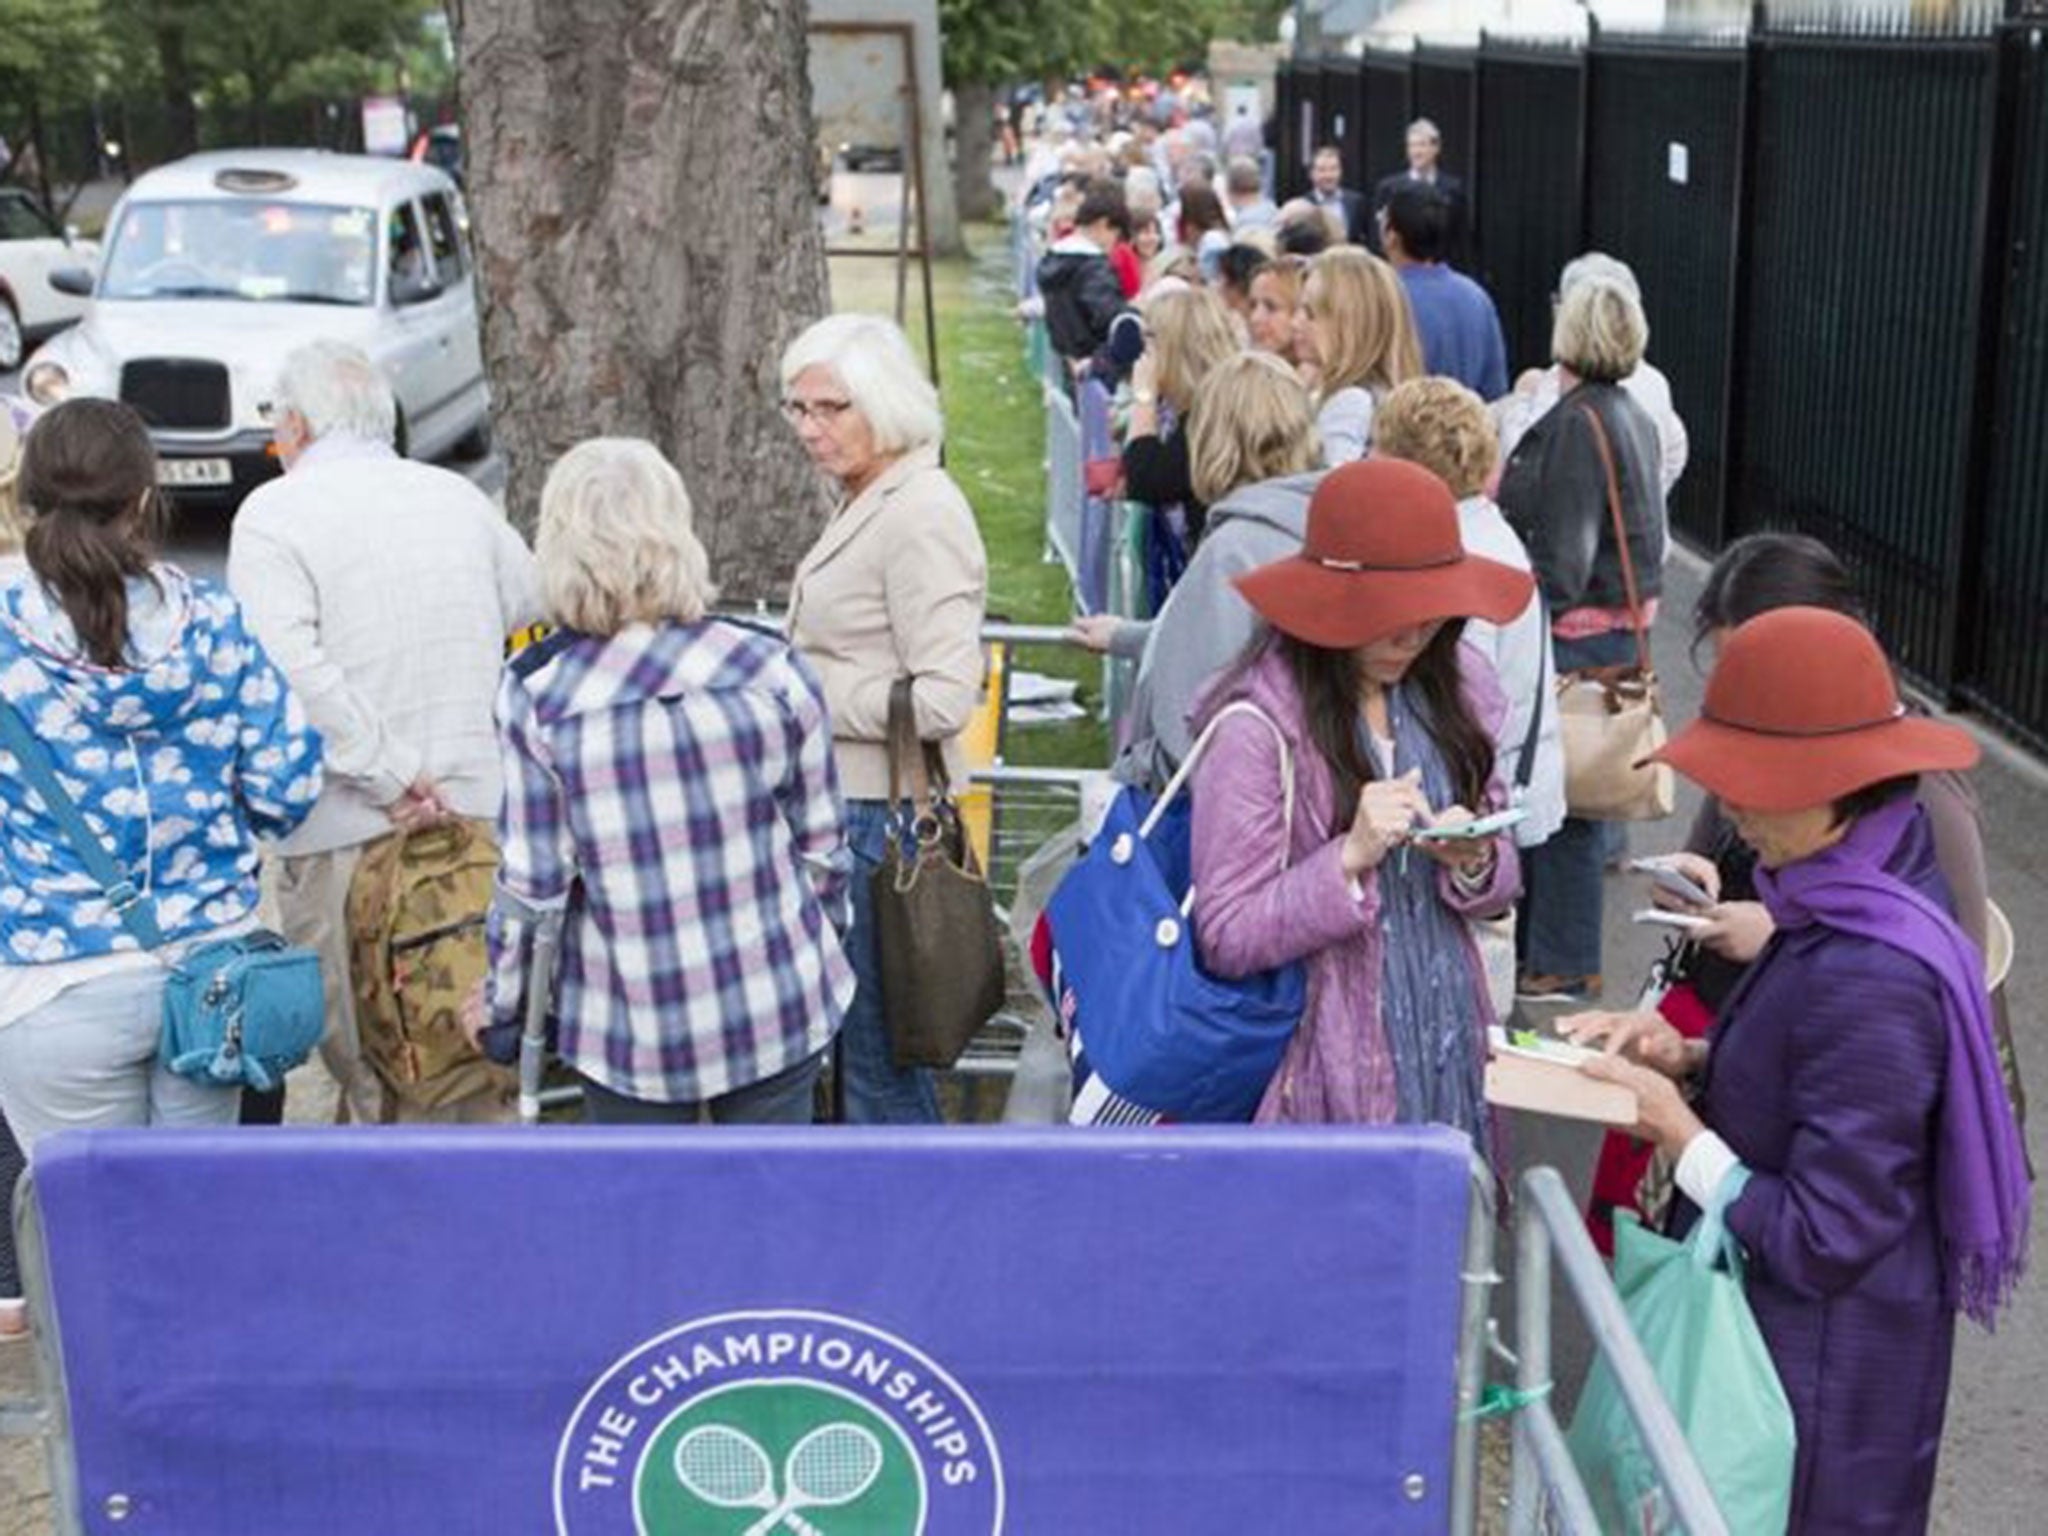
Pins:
<point x="821" y="1332"/>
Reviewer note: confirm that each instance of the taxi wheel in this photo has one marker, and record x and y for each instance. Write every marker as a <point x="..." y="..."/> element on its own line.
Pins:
<point x="11" y="347"/>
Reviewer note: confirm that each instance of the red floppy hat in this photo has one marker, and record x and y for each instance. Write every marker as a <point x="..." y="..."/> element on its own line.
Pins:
<point x="1382" y="553"/>
<point x="1802" y="710"/>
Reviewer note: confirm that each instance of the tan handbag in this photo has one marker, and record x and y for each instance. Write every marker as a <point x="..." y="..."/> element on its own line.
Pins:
<point x="1611" y="717"/>
<point x="936" y="928"/>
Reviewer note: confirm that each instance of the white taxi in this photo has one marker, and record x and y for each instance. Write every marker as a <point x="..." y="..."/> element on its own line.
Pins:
<point x="218" y="266"/>
<point x="31" y="248"/>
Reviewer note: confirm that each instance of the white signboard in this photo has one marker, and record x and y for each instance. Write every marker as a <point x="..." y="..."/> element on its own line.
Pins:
<point x="384" y="127"/>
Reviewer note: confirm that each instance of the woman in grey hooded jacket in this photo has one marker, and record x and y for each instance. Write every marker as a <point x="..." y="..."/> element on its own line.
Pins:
<point x="1252" y="445"/>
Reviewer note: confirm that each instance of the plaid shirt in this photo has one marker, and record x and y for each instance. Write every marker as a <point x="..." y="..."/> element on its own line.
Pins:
<point x="673" y="787"/>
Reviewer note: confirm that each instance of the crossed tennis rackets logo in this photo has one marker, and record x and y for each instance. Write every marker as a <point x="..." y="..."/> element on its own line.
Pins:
<point x="830" y="1467"/>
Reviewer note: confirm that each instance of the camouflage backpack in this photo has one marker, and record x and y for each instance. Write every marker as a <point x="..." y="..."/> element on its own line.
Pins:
<point x="416" y="909"/>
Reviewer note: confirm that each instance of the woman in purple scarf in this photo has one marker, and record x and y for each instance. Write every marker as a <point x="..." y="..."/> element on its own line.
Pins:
<point x="1851" y="1085"/>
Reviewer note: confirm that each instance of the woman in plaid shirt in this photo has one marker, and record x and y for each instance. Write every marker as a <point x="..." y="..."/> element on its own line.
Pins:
<point x="669" y="781"/>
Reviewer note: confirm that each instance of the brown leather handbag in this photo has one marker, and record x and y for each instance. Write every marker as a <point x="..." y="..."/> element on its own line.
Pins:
<point x="935" y="918"/>
<point x="1611" y="718"/>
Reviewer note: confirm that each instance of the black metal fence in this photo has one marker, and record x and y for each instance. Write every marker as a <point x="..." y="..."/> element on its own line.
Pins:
<point x="1843" y="244"/>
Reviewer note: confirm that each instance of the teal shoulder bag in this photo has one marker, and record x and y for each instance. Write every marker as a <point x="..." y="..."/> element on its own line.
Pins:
<point x="238" y="1012"/>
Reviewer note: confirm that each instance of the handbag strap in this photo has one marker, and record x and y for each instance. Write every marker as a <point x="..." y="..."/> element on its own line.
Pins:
<point x="1525" y="764"/>
<point x="1186" y="770"/>
<point x="1628" y="564"/>
<point x="41" y="773"/>
<point x="910" y="758"/>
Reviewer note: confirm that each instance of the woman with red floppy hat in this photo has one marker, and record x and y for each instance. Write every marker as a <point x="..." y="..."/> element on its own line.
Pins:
<point x="1393" y="724"/>
<point x="1848" y="1114"/>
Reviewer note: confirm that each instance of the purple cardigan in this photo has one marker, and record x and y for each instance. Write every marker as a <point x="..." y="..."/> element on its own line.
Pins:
<point x="1250" y="917"/>
<point x="1824" y="1076"/>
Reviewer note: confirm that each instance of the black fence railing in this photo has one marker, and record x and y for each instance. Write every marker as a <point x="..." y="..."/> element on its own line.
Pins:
<point x="1842" y="237"/>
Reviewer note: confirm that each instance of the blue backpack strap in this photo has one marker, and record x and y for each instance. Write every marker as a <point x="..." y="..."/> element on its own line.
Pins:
<point x="41" y="773"/>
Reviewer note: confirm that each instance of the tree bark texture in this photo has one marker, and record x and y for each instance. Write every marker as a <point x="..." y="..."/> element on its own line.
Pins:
<point x="974" y="190"/>
<point x="640" y="181"/>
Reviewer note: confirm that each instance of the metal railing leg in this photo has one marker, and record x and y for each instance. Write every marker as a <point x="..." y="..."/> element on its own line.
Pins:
<point x="1479" y="1279"/>
<point x="1532" y="1362"/>
<point x="53" y="1405"/>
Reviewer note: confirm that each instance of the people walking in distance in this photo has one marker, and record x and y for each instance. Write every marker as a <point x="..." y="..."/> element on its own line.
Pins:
<point x="385" y="589"/>
<point x="895" y="586"/>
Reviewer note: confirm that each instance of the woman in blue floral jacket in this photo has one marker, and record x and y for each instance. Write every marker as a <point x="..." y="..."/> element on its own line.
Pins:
<point x="180" y="743"/>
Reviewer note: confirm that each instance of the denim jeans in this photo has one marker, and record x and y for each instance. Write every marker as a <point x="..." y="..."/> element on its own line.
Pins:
<point x="877" y="1091"/>
<point x="784" y="1099"/>
<point x="1563" y="881"/>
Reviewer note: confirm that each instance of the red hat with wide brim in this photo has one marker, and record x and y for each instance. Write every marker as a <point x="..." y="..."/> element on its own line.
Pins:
<point x="1382" y="554"/>
<point x="1802" y="710"/>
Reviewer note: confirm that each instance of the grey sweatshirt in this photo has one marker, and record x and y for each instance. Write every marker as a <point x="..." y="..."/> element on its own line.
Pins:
<point x="1204" y="624"/>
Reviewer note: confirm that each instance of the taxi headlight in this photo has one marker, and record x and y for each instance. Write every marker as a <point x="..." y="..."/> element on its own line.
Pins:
<point x="46" y="383"/>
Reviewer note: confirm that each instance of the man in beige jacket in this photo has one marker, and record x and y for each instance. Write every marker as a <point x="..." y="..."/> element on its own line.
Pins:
<point x="385" y="590"/>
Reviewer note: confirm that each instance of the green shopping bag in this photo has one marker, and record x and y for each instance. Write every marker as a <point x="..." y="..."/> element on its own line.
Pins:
<point x="1686" y="1303"/>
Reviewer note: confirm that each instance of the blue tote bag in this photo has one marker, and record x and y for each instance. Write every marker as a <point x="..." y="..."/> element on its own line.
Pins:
<point x="1156" y="1026"/>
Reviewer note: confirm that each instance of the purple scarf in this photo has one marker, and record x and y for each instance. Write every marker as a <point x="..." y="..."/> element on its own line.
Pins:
<point x="1980" y="1173"/>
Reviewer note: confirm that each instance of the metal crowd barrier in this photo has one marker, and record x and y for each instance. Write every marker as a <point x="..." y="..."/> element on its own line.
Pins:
<point x="1547" y="1494"/>
<point x="217" y="1347"/>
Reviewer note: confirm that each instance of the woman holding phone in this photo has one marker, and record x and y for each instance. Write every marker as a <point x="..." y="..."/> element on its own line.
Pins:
<point x="1327" y="858"/>
<point x="1712" y="880"/>
<point x="1846" y="1115"/>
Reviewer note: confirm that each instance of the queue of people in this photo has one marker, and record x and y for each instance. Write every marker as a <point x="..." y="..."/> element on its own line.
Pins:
<point x="1390" y="569"/>
<point x="1409" y="558"/>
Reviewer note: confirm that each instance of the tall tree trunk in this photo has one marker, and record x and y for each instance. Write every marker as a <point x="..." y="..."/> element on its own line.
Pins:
<point x="175" y="69"/>
<point x="974" y="193"/>
<point x="647" y="242"/>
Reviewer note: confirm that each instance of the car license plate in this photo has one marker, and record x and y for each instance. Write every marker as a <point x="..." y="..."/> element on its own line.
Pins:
<point x="193" y="472"/>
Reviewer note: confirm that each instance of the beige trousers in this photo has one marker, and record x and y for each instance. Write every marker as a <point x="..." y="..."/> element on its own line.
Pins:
<point x="312" y="906"/>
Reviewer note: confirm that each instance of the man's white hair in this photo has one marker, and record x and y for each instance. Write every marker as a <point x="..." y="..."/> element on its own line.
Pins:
<point x="871" y="358"/>
<point x="1598" y="264"/>
<point x="334" y="387"/>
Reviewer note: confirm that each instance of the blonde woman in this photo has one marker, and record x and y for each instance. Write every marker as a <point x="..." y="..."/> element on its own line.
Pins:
<point x="1276" y="294"/>
<point x="894" y="587"/>
<point x="1354" y="335"/>
<point x="669" y="781"/>
<point x="1555" y="494"/>
<point x="1189" y="333"/>
<point x="1254" y="459"/>
<point x="1443" y="426"/>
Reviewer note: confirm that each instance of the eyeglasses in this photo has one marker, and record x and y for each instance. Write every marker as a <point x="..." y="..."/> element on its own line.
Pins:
<point x="825" y="413"/>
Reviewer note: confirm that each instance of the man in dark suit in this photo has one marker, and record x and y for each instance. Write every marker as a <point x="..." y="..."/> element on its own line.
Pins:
<point x="1425" y="148"/>
<point x="1327" y="190"/>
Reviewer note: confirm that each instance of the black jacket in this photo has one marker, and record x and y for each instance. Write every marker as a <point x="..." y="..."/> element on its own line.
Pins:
<point x="1082" y="297"/>
<point x="1554" y="492"/>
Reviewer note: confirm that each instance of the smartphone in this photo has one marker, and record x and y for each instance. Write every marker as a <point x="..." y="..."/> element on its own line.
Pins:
<point x="1484" y="826"/>
<point x="1684" y="922"/>
<point x="1672" y="883"/>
